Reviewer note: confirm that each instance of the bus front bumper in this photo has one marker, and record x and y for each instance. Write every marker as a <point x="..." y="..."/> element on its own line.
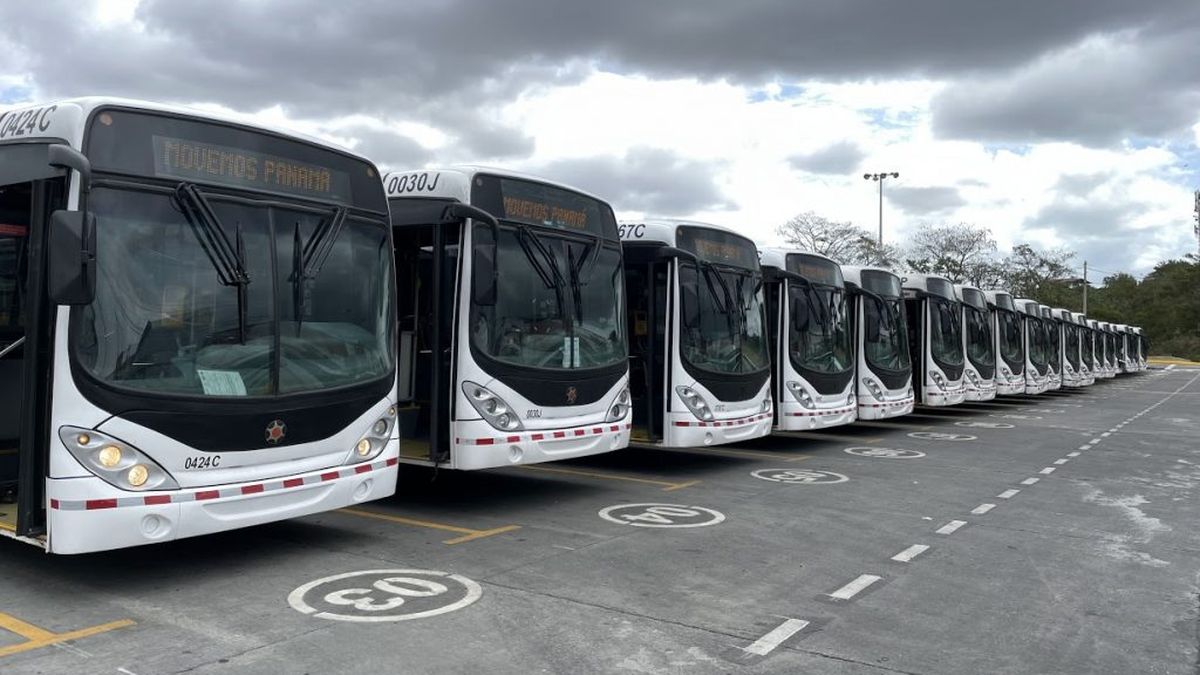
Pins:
<point x="871" y="409"/>
<point x="795" y="417"/>
<point x="689" y="432"/>
<point x="982" y="391"/>
<point x="87" y="514"/>
<point x="479" y="445"/>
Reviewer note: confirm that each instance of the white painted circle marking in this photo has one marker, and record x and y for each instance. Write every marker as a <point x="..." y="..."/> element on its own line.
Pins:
<point x="1012" y="416"/>
<point x="940" y="436"/>
<point x="800" y="476"/>
<point x="884" y="453"/>
<point x="372" y="596"/>
<point x="661" y="515"/>
<point x="984" y="425"/>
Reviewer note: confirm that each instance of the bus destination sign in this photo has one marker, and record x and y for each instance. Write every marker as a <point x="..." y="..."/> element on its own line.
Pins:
<point x="192" y="160"/>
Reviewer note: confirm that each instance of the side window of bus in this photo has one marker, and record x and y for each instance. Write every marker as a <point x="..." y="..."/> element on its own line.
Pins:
<point x="15" y="202"/>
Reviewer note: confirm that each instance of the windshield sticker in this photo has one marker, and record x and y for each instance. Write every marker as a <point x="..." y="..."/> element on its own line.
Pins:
<point x="221" y="382"/>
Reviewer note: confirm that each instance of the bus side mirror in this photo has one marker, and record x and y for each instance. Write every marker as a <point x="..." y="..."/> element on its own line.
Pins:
<point x="484" y="281"/>
<point x="71" y="265"/>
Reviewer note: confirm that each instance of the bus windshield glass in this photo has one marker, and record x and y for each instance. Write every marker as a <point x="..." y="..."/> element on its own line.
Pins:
<point x="1086" y="337"/>
<point x="1010" y="337"/>
<point x="167" y="324"/>
<point x="722" y="313"/>
<point x="1037" y="342"/>
<point x="885" y="335"/>
<point x="559" y="285"/>
<point x="945" y="331"/>
<point x="819" y="334"/>
<point x="1071" y="344"/>
<point x="980" y="345"/>
<point x="1053" y="344"/>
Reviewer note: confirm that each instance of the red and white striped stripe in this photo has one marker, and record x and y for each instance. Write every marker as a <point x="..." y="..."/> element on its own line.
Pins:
<point x="897" y="404"/>
<point x="546" y="435"/>
<point x="220" y="493"/>
<point x="724" y="423"/>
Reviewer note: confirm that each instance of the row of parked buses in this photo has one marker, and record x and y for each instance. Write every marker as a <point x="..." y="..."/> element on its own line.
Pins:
<point x="207" y="325"/>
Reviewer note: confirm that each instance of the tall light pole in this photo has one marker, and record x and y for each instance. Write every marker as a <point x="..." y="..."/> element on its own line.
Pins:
<point x="879" y="178"/>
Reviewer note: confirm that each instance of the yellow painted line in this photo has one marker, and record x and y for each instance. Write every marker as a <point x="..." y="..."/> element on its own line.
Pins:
<point x="468" y="533"/>
<point x="881" y="424"/>
<point x="723" y="452"/>
<point x="667" y="486"/>
<point x="814" y="435"/>
<point x="36" y="638"/>
<point x="7" y="527"/>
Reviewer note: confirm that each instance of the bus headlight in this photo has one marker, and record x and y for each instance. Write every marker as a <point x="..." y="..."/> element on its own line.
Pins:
<point x="766" y="406"/>
<point x="801" y="394"/>
<point x="368" y="447"/>
<point x="873" y="387"/>
<point x="938" y="380"/>
<point x="695" y="402"/>
<point x="115" y="462"/>
<point x="620" y="407"/>
<point x="491" y="407"/>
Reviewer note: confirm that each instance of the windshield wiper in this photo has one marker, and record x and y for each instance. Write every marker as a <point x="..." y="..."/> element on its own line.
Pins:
<point x="309" y="260"/>
<point x="226" y="258"/>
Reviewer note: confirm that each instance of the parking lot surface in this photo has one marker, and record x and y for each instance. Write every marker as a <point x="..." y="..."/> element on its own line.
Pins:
<point x="1048" y="534"/>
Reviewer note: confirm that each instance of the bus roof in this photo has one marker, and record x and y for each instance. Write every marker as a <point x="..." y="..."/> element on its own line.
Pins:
<point x="960" y="292"/>
<point x="776" y="256"/>
<point x="454" y="182"/>
<point x="1028" y="307"/>
<point x="853" y="273"/>
<point x="65" y="120"/>
<point x="665" y="230"/>
<point x="1063" y="315"/>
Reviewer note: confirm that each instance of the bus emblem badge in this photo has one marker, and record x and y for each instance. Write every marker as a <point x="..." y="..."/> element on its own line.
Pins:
<point x="276" y="430"/>
<point x="572" y="394"/>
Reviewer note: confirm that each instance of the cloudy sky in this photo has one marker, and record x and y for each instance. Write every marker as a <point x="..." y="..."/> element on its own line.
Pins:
<point x="1072" y="123"/>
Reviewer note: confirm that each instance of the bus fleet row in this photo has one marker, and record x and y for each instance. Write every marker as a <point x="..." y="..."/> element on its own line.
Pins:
<point x="206" y="325"/>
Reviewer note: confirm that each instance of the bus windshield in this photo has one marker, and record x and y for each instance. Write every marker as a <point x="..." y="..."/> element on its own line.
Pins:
<point x="980" y="346"/>
<point x="885" y="339"/>
<point x="1053" y="344"/>
<point x="1071" y="342"/>
<point x="1010" y="337"/>
<point x="167" y="324"/>
<point x="945" y="331"/>
<point x="558" y="299"/>
<point x="1037" y="342"/>
<point x="723" y="318"/>
<point x="820" y="328"/>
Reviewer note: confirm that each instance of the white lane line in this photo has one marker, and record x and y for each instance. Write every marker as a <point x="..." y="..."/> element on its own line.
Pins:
<point x="855" y="587"/>
<point x="767" y="643"/>
<point x="909" y="553"/>
<point x="982" y="509"/>
<point x="950" y="527"/>
<point x="1106" y="434"/>
<point x="1062" y="461"/>
<point x="1073" y="454"/>
<point x="1047" y="471"/>
<point x="1007" y="494"/>
<point x="1171" y="367"/>
<point x="1030" y="481"/>
<point x="1085" y="447"/>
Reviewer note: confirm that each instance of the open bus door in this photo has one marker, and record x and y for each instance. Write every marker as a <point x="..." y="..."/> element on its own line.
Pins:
<point x="30" y="191"/>
<point x="647" y="278"/>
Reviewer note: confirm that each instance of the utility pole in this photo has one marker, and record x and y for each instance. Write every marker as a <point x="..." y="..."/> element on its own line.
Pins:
<point x="1085" y="285"/>
<point x="880" y="177"/>
<point x="1196" y="227"/>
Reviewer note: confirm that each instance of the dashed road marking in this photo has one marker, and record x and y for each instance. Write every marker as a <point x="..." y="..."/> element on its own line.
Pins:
<point x="909" y="553"/>
<point x="1007" y="494"/>
<point x="1106" y="434"/>
<point x="1062" y="461"/>
<point x="1047" y="471"/>
<point x="1030" y="481"/>
<point x="950" y="527"/>
<point x="1076" y="453"/>
<point x="982" y="509"/>
<point x="862" y="583"/>
<point x="767" y="643"/>
<point x="1085" y="447"/>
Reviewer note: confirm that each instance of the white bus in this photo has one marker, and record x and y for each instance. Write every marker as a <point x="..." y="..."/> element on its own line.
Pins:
<point x="1008" y="326"/>
<point x="1064" y="322"/>
<point x="1108" y="355"/>
<point x="1037" y="363"/>
<point x="883" y="368"/>
<point x="809" y="332"/>
<point x="979" y="344"/>
<point x="1139" y="348"/>
<point x="512" y="319"/>
<point x="700" y="368"/>
<point x="1087" y="349"/>
<point x="935" y="340"/>
<point x="1054" y="348"/>
<point x="208" y="340"/>
<point x="1124" y="337"/>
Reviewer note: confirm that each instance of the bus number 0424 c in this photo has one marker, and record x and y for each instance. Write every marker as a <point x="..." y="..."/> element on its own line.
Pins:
<point x="202" y="462"/>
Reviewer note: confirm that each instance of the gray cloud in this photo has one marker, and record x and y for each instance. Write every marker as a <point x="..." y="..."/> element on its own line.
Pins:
<point x="419" y="59"/>
<point x="647" y="179"/>
<point x="1136" y="83"/>
<point x="924" y="200"/>
<point x="391" y="150"/>
<point x="842" y="157"/>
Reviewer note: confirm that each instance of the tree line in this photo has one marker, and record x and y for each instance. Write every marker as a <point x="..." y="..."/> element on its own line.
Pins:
<point x="1165" y="303"/>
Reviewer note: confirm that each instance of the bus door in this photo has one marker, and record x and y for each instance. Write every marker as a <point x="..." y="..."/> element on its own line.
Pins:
<point x="30" y="190"/>
<point x="647" y="277"/>
<point x="917" y="334"/>
<point x="427" y="270"/>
